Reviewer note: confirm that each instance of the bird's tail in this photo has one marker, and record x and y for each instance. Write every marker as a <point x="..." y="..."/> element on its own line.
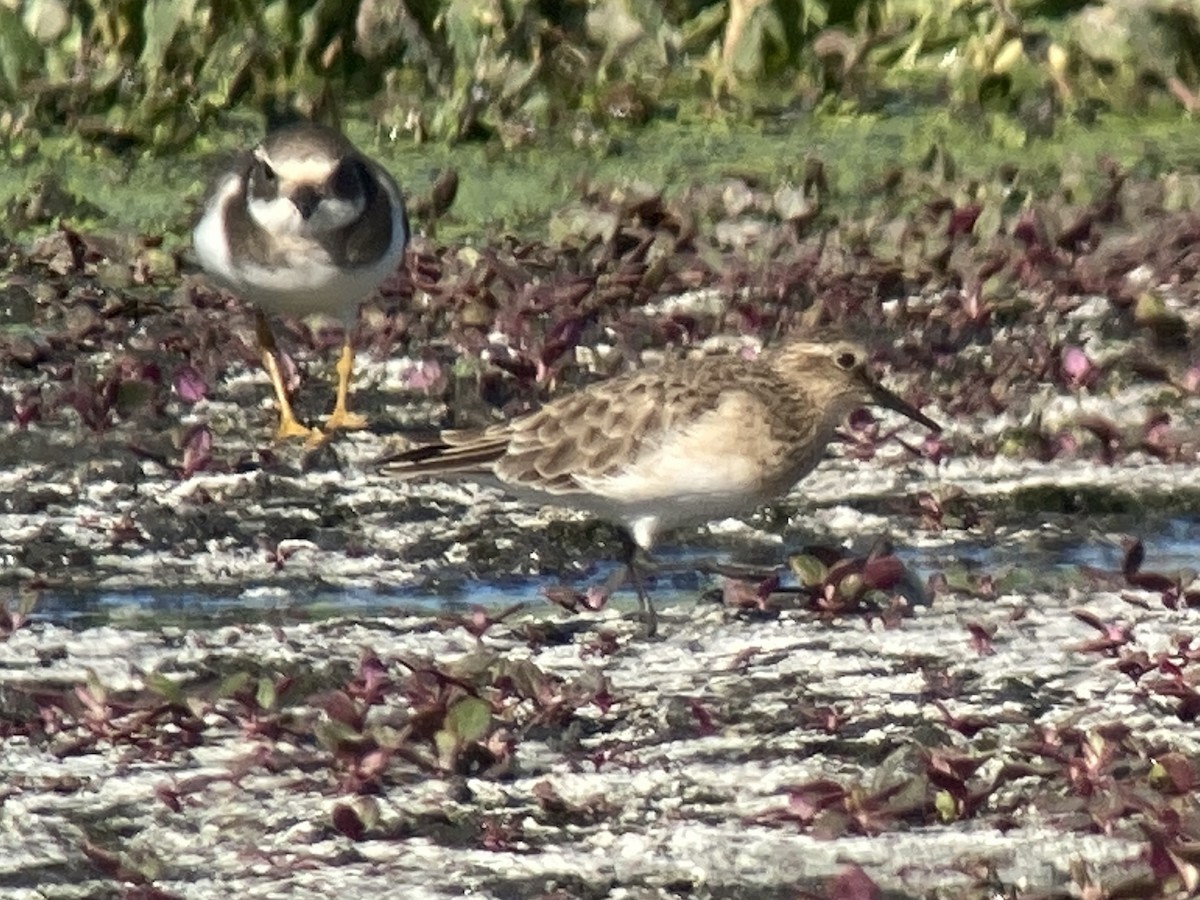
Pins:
<point x="461" y="453"/>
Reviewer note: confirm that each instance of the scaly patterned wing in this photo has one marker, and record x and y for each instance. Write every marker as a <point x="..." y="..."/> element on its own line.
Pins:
<point x="600" y="430"/>
<point x="588" y="434"/>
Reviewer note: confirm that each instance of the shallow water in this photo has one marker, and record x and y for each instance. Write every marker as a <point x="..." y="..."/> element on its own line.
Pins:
<point x="1047" y="564"/>
<point x="152" y="606"/>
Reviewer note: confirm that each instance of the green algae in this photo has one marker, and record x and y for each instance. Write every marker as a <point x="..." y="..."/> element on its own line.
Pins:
<point x="1090" y="500"/>
<point x="515" y="189"/>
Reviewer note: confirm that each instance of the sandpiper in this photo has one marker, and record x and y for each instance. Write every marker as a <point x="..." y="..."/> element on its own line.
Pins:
<point x="304" y="224"/>
<point x="688" y="442"/>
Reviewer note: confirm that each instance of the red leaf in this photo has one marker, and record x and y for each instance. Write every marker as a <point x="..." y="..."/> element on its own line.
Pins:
<point x="852" y="883"/>
<point x="883" y="573"/>
<point x="189" y="384"/>
<point x="704" y="719"/>
<point x="1135" y="555"/>
<point x="347" y="821"/>
<point x="341" y="708"/>
<point x="1179" y="772"/>
<point x="197" y="450"/>
<point x="562" y="337"/>
<point x="962" y="220"/>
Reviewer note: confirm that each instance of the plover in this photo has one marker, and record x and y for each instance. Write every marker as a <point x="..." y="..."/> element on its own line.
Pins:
<point x="689" y="442"/>
<point x="304" y="224"/>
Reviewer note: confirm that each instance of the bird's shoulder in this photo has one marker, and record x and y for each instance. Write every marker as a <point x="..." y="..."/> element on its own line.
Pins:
<point x="383" y="228"/>
<point x="225" y="235"/>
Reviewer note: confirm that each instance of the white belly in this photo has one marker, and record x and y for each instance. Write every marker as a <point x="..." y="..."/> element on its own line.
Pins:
<point x="647" y="503"/>
<point x="309" y="285"/>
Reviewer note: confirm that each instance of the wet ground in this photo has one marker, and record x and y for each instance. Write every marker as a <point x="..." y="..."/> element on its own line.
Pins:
<point x="233" y="668"/>
<point x="709" y="762"/>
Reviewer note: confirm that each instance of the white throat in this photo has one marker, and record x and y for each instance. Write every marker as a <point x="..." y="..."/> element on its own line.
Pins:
<point x="280" y="217"/>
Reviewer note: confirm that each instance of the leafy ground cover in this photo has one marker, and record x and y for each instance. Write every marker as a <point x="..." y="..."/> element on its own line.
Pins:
<point x="1045" y="720"/>
<point x="967" y="670"/>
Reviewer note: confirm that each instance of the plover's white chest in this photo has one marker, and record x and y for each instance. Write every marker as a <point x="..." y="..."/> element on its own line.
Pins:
<point x="304" y="280"/>
<point x="289" y="269"/>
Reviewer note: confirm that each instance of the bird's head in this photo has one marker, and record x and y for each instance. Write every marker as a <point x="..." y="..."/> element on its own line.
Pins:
<point x="837" y="375"/>
<point x="307" y="180"/>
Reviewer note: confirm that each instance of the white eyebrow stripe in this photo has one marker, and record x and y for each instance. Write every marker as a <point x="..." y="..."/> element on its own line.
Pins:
<point x="310" y="170"/>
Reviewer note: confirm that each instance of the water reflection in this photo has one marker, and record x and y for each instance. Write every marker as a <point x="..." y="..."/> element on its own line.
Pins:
<point x="1043" y="554"/>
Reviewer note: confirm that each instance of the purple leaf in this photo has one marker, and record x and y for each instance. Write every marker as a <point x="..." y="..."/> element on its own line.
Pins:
<point x="348" y="822"/>
<point x="291" y="374"/>
<point x="563" y="336"/>
<point x="935" y="448"/>
<point x="862" y="420"/>
<point x="883" y="572"/>
<point x="1029" y="229"/>
<point x="516" y="365"/>
<point x="1076" y="366"/>
<point x="197" y="450"/>
<point x="424" y="375"/>
<point x="704" y="720"/>
<point x="962" y="220"/>
<point x="1065" y="443"/>
<point x="190" y="384"/>
<point x="341" y="708"/>
<point x="852" y="883"/>
<point x="26" y="410"/>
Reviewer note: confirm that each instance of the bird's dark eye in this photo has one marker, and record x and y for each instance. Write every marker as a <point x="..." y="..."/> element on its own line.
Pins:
<point x="347" y="179"/>
<point x="262" y="180"/>
<point x="846" y="360"/>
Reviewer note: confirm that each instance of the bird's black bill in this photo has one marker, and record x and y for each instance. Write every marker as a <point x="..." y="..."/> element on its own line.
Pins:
<point x="888" y="400"/>
<point x="306" y="199"/>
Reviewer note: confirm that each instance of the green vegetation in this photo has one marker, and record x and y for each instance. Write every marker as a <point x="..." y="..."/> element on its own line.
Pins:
<point x="156" y="72"/>
<point x="517" y="190"/>
<point x="109" y="107"/>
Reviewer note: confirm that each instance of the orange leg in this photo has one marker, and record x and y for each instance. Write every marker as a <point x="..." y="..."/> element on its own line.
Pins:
<point x="341" y="417"/>
<point x="289" y="426"/>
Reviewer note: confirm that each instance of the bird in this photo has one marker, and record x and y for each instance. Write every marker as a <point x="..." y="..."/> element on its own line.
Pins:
<point x="661" y="448"/>
<point x="304" y="224"/>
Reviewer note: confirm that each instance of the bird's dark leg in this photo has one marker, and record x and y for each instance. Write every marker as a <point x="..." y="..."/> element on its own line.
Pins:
<point x="630" y="552"/>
